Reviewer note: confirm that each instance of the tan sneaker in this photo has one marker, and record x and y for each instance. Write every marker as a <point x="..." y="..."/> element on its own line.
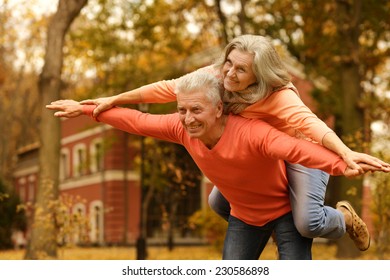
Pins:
<point x="358" y="232"/>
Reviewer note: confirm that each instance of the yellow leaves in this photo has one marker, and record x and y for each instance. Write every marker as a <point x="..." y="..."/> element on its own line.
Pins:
<point x="3" y="196"/>
<point x="2" y="74"/>
<point x="179" y="175"/>
<point x="209" y="224"/>
<point x="329" y="28"/>
<point x="60" y="214"/>
<point x="352" y="191"/>
<point x="380" y="207"/>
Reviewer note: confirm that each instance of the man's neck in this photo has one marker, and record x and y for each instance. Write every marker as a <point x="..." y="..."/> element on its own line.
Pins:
<point x="217" y="133"/>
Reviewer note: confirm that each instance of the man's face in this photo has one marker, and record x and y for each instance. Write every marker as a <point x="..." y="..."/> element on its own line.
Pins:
<point x="237" y="71"/>
<point x="199" y="116"/>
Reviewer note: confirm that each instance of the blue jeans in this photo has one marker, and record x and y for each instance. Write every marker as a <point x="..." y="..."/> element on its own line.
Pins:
<point x="307" y="194"/>
<point x="247" y="242"/>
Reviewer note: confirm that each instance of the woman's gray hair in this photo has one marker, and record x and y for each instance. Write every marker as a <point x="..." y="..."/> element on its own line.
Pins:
<point x="268" y="68"/>
<point x="200" y="80"/>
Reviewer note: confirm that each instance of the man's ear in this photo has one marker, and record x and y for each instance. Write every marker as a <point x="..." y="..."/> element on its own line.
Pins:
<point x="219" y="109"/>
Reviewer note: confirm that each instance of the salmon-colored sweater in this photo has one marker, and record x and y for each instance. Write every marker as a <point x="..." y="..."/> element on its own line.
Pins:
<point x="282" y="109"/>
<point x="247" y="164"/>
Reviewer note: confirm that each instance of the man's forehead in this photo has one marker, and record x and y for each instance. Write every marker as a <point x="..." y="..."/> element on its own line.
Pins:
<point x="191" y="104"/>
<point x="192" y="98"/>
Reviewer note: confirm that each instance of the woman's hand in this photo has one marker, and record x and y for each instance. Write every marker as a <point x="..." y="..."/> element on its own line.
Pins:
<point x="351" y="158"/>
<point x="102" y="104"/>
<point x="355" y="159"/>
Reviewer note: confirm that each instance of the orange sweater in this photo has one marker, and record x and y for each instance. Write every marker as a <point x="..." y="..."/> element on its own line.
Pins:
<point x="283" y="109"/>
<point x="247" y="164"/>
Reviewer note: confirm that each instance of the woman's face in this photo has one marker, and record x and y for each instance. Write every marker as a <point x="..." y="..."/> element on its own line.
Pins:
<point x="237" y="71"/>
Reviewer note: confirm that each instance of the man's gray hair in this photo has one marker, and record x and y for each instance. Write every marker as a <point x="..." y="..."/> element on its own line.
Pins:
<point x="200" y="80"/>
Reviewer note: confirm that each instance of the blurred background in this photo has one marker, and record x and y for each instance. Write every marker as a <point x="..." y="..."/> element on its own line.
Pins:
<point x="79" y="184"/>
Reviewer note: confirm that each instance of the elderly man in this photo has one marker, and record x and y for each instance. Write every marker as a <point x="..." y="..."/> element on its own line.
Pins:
<point x="243" y="157"/>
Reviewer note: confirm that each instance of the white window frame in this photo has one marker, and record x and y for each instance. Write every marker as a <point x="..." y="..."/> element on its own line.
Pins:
<point x="96" y="155"/>
<point x="79" y="166"/>
<point x="96" y="222"/>
<point x="64" y="164"/>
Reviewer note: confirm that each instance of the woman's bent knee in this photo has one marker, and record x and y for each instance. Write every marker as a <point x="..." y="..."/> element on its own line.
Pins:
<point x="309" y="229"/>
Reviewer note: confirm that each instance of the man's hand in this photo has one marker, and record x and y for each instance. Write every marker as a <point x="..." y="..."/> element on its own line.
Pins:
<point x="66" y="108"/>
<point x="350" y="173"/>
<point x="102" y="104"/>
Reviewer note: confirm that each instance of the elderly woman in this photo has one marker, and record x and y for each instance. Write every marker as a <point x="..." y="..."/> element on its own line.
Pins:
<point x="258" y="86"/>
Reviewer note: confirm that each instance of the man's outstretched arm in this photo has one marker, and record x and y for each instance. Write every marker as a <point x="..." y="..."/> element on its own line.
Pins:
<point x="164" y="127"/>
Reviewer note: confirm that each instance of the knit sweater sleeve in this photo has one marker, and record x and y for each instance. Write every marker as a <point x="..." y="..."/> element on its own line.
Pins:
<point x="279" y="145"/>
<point x="164" y="91"/>
<point x="159" y="92"/>
<point x="164" y="127"/>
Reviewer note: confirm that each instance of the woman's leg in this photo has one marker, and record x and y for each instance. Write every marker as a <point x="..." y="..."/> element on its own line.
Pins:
<point x="307" y="194"/>
<point x="219" y="203"/>
<point x="245" y="242"/>
<point x="291" y="244"/>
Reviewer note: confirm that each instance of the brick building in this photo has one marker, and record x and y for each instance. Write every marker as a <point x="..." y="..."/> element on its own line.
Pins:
<point x="99" y="176"/>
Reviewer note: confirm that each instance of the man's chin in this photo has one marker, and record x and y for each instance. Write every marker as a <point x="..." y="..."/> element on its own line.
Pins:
<point x="193" y="134"/>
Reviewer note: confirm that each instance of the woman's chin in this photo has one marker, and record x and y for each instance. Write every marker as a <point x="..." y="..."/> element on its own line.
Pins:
<point x="228" y="86"/>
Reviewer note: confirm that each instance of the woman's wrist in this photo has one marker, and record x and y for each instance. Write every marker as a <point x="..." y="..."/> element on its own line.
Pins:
<point x="332" y="142"/>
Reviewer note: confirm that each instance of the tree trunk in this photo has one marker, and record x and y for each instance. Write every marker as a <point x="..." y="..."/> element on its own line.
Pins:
<point x="348" y="17"/>
<point x="43" y="240"/>
<point x="352" y="122"/>
<point x="242" y="17"/>
<point x="222" y="19"/>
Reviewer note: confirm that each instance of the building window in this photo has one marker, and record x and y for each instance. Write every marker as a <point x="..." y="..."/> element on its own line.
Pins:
<point x="79" y="160"/>
<point x="22" y="189"/>
<point x="79" y="224"/>
<point x="96" y="222"/>
<point x="64" y="236"/>
<point x="96" y="155"/>
<point x="31" y="188"/>
<point x="64" y="164"/>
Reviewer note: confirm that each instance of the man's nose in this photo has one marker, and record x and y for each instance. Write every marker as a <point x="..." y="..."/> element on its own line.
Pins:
<point x="188" y="118"/>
